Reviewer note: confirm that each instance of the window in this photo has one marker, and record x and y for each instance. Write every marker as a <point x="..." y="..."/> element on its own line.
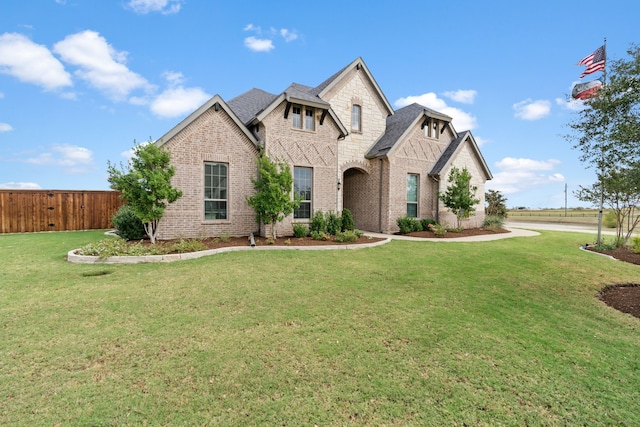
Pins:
<point x="356" y="118"/>
<point x="412" y="195"/>
<point x="435" y="133"/>
<point x="215" y="190"/>
<point x="302" y="184"/>
<point x="297" y="117"/>
<point x="309" y="117"/>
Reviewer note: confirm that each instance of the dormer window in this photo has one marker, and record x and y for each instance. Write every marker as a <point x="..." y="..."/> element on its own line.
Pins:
<point x="356" y="118"/>
<point x="431" y="130"/>
<point x="297" y="121"/>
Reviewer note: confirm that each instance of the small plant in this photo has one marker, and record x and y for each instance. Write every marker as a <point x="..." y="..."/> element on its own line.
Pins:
<point x="287" y="242"/>
<point x="334" y="224"/>
<point x="318" y="222"/>
<point x="346" y="236"/>
<point x="300" y="230"/>
<point x="127" y="224"/>
<point x="188" y="245"/>
<point x="317" y="235"/>
<point x="270" y="241"/>
<point x="225" y="237"/>
<point x="347" y="220"/>
<point x="426" y="221"/>
<point x="493" y="222"/>
<point x="438" y="230"/>
<point x="358" y="233"/>
<point x="636" y="245"/>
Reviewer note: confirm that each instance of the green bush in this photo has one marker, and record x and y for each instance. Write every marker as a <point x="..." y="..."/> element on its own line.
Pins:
<point x="127" y="224"/>
<point x="319" y="235"/>
<point x="334" y="224"/>
<point x="493" y="222"/>
<point x="318" y="222"/>
<point x="610" y="220"/>
<point x="636" y="245"/>
<point x="425" y="222"/>
<point x="408" y="224"/>
<point x="346" y="236"/>
<point x="188" y="245"/>
<point x="300" y="230"/>
<point x="347" y="220"/>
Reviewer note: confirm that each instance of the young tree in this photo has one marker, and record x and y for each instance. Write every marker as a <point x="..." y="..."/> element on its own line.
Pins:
<point x="146" y="184"/>
<point x="496" y="204"/>
<point x="272" y="201"/>
<point x="620" y="189"/>
<point x="460" y="194"/>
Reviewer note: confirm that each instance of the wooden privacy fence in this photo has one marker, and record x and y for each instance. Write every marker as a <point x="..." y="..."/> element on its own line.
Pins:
<point x="24" y="211"/>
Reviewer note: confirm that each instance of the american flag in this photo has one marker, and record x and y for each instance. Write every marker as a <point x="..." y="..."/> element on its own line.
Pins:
<point x="594" y="62"/>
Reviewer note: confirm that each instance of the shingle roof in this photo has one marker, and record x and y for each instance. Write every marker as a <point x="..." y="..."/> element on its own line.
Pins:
<point x="249" y="104"/>
<point x="397" y="125"/>
<point x="447" y="154"/>
<point x="305" y="93"/>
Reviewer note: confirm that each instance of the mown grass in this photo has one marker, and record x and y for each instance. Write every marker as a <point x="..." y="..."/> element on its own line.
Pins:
<point x="507" y="332"/>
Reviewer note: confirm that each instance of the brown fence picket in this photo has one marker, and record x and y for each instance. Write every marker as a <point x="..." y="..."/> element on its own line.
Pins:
<point x="23" y="211"/>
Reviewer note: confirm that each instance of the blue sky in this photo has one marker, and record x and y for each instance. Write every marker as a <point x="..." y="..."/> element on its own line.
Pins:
<point x="81" y="80"/>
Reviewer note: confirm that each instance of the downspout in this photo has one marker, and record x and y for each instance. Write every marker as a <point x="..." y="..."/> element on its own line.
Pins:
<point x="437" y="181"/>
<point x="380" y="197"/>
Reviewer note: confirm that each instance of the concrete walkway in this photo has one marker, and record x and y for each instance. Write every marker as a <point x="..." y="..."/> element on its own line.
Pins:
<point x="514" y="232"/>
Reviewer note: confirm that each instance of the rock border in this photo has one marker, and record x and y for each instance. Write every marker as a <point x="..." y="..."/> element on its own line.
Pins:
<point x="74" y="258"/>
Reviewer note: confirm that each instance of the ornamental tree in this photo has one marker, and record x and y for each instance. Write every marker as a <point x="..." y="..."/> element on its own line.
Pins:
<point x="460" y="194"/>
<point x="496" y="204"/>
<point x="272" y="201"/>
<point x="145" y="184"/>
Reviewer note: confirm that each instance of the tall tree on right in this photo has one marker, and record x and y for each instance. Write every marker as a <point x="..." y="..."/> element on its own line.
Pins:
<point x="607" y="129"/>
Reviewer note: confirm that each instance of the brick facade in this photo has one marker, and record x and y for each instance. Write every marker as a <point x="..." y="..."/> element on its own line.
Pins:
<point x="345" y="172"/>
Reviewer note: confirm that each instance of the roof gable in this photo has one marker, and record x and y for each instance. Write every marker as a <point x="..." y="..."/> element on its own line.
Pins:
<point x="250" y="103"/>
<point x="323" y="88"/>
<point x="216" y="102"/>
<point x="452" y="150"/>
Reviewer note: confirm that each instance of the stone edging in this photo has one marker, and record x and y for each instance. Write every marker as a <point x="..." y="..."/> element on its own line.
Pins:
<point x="74" y="258"/>
<point x="582" y="248"/>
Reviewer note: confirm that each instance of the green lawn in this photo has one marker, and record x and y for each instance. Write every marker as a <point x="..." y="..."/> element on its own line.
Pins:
<point x="508" y="332"/>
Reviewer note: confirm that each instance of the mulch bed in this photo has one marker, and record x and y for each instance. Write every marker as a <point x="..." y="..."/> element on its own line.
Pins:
<point x="467" y="232"/>
<point x="625" y="298"/>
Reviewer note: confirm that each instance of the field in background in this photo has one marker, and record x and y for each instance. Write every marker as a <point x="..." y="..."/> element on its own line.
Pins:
<point x="571" y="216"/>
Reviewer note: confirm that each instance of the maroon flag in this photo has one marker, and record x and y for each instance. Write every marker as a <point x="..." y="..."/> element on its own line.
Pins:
<point x="594" y="62"/>
<point x="586" y="90"/>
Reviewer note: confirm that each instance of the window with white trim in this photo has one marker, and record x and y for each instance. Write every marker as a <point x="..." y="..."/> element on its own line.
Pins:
<point x="302" y="188"/>
<point x="412" y="195"/>
<point x="215" y="190"/>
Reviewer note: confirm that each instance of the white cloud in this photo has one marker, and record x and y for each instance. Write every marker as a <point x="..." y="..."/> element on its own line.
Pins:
<point x="5" y="127"/>
<point x="75" y="159"/>
<point x="462" y="96"/>
<point x="31" y="63"/>
<point x="518" y="174"/>
<point x="570" y="104"/>
<point x="20" y="186"/>
<point x="258" y="45"/>
<point x="288" y="35"/>
<point x="177" y="101"/>
<point x="461" y="119"/>
<point x="532" y="110"/>
<point x="166" y="7"/>
<point x="100" y="64"/>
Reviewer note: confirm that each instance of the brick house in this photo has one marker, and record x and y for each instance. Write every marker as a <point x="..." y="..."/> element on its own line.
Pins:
<point x="346" y="146"/>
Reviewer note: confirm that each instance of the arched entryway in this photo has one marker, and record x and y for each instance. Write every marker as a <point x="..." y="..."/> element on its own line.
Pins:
<point x="360" y="196"/>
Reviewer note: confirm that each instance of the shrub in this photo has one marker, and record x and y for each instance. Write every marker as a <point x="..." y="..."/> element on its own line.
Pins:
<point x="300" y="230"/>
<point x="610" y="220"/>
<point x="318" y="222"/>
<point x="128" y="225"/>
<point x="188" y="245"/>
<point x="438" y="229"/>
<point x="347" y="220"/>
<point x="334" y="224"/>
<point x="346" y="236"/>
<point x="225" y="237"/>
<point x="408" y="224"/>
<point x="636" y="245"/>
<point x="493" y="222"/>
<point x="319" y="235"/>
<point x="425" y="222"/>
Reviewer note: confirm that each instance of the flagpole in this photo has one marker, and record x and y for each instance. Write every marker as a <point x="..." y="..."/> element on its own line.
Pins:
<point x="604" y="81"/>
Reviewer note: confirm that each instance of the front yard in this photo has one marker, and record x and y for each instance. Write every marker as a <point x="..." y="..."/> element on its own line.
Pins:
<point x="505" y="332"/>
